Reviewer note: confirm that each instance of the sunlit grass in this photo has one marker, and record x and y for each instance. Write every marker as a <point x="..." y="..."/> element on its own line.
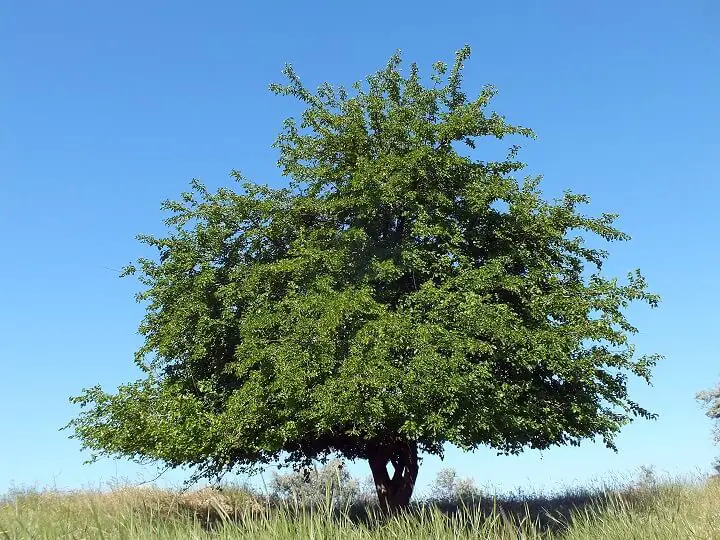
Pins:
<point x="661" y="510"/>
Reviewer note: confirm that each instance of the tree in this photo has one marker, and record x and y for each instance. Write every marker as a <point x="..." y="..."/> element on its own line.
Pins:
<point x="710" y="400"/>
<point x="448" y="487"/>
<point x="330" y="486"/>
<point x="397" y="296"/>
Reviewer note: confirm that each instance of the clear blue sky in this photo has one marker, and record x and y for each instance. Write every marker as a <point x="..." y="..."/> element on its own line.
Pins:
<point x="107" y="108"/>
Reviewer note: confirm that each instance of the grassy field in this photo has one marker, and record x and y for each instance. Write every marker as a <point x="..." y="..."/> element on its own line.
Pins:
<point x="663" y="510"/>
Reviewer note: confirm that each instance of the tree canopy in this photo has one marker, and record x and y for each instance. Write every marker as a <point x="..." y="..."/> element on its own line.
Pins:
<point x="399" y="294"/>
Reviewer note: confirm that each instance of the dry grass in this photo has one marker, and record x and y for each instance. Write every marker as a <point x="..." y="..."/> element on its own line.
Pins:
<point x="661" y="510"/>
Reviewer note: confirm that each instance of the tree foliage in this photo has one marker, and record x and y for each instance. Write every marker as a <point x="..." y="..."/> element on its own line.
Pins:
<point x="398" y="295"/>
<point x="710" y="400"/>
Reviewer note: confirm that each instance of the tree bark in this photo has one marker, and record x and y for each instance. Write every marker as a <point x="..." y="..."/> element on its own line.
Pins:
<point x="394" y="492"/>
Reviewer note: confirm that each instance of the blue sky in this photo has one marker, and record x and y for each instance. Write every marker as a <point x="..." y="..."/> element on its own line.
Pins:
<point x="107" y="108"/>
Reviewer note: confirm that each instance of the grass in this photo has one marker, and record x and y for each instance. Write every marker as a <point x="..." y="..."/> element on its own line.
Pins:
<point x="646" y="510"/>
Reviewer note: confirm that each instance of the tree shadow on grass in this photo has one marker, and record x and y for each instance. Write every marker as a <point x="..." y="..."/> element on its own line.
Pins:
<point x="542" y="513"/>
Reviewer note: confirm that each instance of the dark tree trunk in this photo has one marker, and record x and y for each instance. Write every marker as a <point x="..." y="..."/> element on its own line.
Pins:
<point x="394" y="491"/>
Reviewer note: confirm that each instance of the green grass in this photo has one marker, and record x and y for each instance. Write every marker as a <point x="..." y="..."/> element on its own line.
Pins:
<point x="667" y="510"/>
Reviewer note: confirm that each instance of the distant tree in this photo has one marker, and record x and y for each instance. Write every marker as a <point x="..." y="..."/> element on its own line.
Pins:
<point x="449" y="487"/>
<point x="710" y="400"/>
<point x="330" y="484"/>
<point x="398" y="295"/>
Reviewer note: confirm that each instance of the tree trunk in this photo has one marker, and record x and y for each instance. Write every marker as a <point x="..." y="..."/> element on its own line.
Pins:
<point x="394" y="492"/>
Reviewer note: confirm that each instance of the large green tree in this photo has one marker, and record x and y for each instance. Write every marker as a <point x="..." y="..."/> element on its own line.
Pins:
<point x="400" y="294"/>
